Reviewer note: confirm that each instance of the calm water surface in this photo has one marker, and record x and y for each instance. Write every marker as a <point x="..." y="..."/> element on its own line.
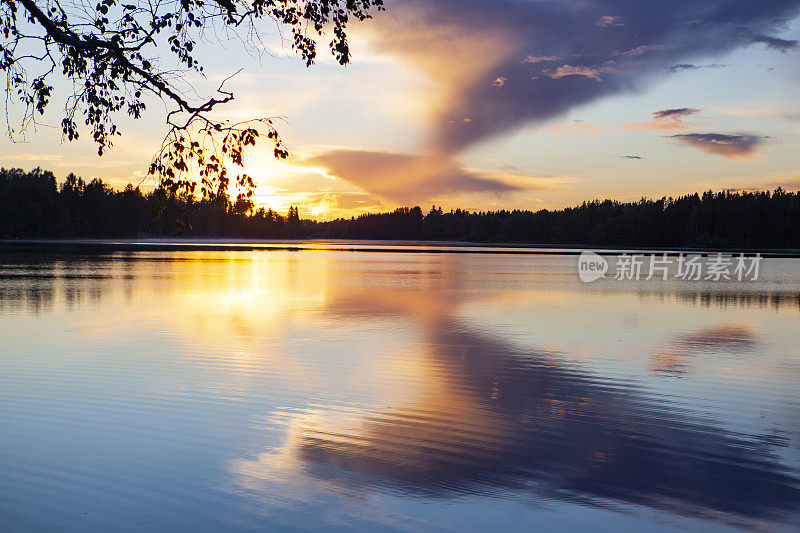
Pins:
<point x="333" y="390"/>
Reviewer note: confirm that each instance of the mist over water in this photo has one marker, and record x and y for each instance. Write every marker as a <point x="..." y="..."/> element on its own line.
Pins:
<point x="333" y="390"/>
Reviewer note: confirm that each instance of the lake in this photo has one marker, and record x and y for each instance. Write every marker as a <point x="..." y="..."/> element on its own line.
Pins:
<point x="384" y="390"/>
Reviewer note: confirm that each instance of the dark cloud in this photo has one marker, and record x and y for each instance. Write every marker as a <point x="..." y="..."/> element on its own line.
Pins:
<point x="631" y="157"/>
<point x="666" y="119"/>
<point x="688" y="66"/>
<point x="466" y="44"/>
<point x="781" y="45"/>
<point x="743" y="146"/>
<point x="410" y="178"/>
<point x="680" y="112"/>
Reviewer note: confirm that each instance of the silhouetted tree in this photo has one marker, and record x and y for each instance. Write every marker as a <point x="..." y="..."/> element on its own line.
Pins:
<point x="116" y="52"/>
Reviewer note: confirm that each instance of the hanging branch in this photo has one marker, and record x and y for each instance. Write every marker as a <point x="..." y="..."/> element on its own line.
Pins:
<point x="112" y="52"/>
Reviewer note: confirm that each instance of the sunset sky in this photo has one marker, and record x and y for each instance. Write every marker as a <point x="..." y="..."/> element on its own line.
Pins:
<point x="499" y="104"/>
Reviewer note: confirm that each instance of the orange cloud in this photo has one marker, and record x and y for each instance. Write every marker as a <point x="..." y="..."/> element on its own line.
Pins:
<point x="500" y="81"/>
<point x="576" y="127"/>
<point x="572" y="70"/>
<point x="413" y="178"/>
<point x="643" y="49"/>
<point x="608" y="21"/>
<point x="539" y="59"/>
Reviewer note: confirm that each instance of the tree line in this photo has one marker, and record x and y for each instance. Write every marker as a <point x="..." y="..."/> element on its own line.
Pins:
<point x="32" y="205"/>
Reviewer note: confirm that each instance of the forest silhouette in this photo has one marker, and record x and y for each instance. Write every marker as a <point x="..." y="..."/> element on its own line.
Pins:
<point x="33" y="205"/>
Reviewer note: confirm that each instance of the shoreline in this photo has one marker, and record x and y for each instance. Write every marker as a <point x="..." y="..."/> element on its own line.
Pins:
<point x="350" y="245"/>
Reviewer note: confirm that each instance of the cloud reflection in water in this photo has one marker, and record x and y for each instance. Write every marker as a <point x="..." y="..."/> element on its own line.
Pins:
<point x="493" y="418"/>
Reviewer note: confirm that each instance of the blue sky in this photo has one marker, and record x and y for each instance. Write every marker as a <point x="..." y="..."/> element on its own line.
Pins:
<point x="506" y="103"/>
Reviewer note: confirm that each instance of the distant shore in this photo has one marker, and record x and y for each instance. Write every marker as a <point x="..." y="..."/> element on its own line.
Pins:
<point x="352" y="245"/>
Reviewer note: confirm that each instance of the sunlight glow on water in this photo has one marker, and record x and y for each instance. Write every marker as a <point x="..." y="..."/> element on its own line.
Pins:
<point x="335" y="390"/>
